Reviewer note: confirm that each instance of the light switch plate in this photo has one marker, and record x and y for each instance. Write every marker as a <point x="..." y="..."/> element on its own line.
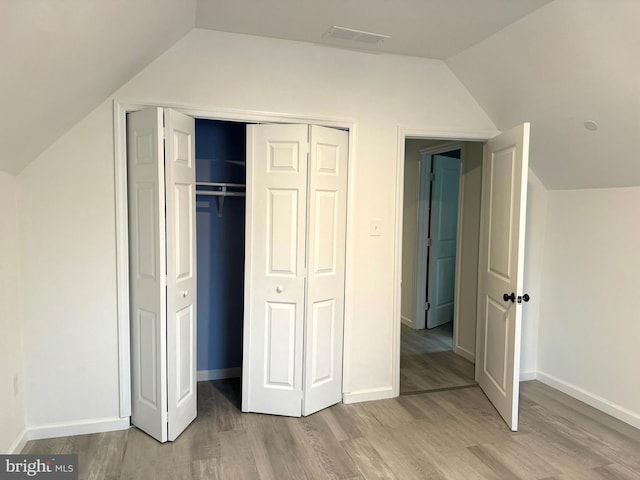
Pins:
<point x="375" y="227"/>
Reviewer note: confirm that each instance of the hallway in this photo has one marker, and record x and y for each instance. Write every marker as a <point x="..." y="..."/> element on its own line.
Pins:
<point x="427" y="361"/>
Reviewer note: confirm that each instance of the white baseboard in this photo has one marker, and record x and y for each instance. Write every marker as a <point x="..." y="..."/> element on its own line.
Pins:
<point x="96" y="425"/>
<point x="18" y="444"/>
<point x="528" y="375"/>
<point x="464" y="353"/>
<point x="613" y="409"/>
<point x="368" y="395"/>
<point x="219" y="374"/>
<point x="407" y="321"/>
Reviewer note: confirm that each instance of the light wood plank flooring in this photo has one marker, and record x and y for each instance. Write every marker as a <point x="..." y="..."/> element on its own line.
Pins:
<point x="415" y="342"/>
<point x="428" y="363"/>
<point x="443" y="435"/>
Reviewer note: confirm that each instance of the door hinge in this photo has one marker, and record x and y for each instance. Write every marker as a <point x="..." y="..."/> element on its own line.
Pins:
<point x="432" y="176"/>
<point x="427" y="306"/>
<point x="429" y="242"/>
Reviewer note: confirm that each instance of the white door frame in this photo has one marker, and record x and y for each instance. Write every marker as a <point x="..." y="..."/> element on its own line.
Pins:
<point x="420" y="315"/>
<point x="405" y="133"/>
<point x="121" y="108"/>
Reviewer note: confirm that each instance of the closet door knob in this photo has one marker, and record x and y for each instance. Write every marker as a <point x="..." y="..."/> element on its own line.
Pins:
<point x="279" y="289"/>
<point x="185" y="293"/>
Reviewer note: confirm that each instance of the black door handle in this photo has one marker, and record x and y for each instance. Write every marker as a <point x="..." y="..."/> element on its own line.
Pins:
<point x="512" y="298"/>
<point x="524" y="298"/>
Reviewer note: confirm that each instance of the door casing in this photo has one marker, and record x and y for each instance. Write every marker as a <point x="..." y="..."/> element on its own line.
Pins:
<point x="122" y="230"/>
<point x="405" y="133"/>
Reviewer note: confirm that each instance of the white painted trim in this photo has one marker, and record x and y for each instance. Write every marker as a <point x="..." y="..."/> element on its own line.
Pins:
<point x="527" y="375"/>
<point x="350" y="256"/>
<point x="404" y="133"/>
<point x="218" y="374"/>
<point x="121" y="108"/>
<point x="602" y="404"/>
<point x="422" y="257"/>
<point x="407" y="321"/>
<point x="122" y="258"/>
<point x="450" y="134"/>
<point x="464" y="353"/>
<point x="469" y="355"/>
<point x="368" y="395"/>
<point x="248" y="273"/>
<point x="443" y="147"/>
<point x="397" y="269"/>
<point x="18" y="444"/>
<point x="95" y="425"/>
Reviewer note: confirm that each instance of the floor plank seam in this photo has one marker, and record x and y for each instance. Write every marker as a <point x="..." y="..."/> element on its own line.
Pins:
<point x="436" y="390"/>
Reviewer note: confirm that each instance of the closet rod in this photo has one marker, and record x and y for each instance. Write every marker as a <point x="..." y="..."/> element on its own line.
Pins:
<point x="216" y="184"/>
<point x="220" y="193"/>
<point x="223" y="190"/>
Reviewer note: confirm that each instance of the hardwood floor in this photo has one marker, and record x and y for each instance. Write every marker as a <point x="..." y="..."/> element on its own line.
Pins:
<point x="435" y="371"/>
<point x="442" y="435"/>
<point x="427" y="361"/>
<point x="415" y="342"/>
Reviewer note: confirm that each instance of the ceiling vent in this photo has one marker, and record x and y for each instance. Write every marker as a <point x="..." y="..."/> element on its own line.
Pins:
<point x="349" y="34"/>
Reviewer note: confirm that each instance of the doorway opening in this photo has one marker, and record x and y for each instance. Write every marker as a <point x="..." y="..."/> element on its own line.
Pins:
<point x="220" y="156"/>
<point x="441" y="216"/>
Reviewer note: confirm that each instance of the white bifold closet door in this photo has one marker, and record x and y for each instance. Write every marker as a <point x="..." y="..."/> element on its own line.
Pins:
<point x="295" y="265"/>
<point x="162" y="259"/>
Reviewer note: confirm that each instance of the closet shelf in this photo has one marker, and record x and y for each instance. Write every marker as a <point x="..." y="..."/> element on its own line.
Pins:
<point x="220" y="190"/>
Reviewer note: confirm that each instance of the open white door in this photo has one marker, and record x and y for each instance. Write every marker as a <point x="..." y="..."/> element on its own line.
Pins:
<point x="147" y="270"/>
<point x="326" y="263"/>
<point x="500" y="269"/>
<point x="443" y="232"/>
<point x="162" y="271"/>
<point x="275" y="269"/>
<point x="180" y="173"/>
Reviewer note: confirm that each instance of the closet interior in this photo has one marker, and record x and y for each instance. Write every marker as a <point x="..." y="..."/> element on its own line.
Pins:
<point x="220" y="152"/>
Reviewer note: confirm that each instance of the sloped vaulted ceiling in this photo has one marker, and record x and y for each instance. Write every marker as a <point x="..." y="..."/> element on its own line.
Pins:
<point x="567" y="63"/>
<point x="554" y="63"/>
<point x="60" y="58"/>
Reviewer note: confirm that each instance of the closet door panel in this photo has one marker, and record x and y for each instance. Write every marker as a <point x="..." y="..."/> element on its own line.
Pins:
<point x="181" y="271"/>
<point x="280" y="338"/>
<point x="327" y="204"/>
<point x="147" y="298"/>
<point x="275" y="269"/>
<point x="322" y="324"/>
<point x="282" y="232"/>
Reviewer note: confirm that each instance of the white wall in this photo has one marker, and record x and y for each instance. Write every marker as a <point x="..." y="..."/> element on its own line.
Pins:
<point x="69" y="251"/>
<point x="464" y="342"/>
<point x="411" y="194"/>
<point x="589" y="317"/>
<point x="11" y="402"/>
<point x="69" y="275"/>
<point x="533" y="260"/>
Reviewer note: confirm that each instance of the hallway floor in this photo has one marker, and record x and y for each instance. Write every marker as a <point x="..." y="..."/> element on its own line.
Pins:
<point x="427" y="362"/>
